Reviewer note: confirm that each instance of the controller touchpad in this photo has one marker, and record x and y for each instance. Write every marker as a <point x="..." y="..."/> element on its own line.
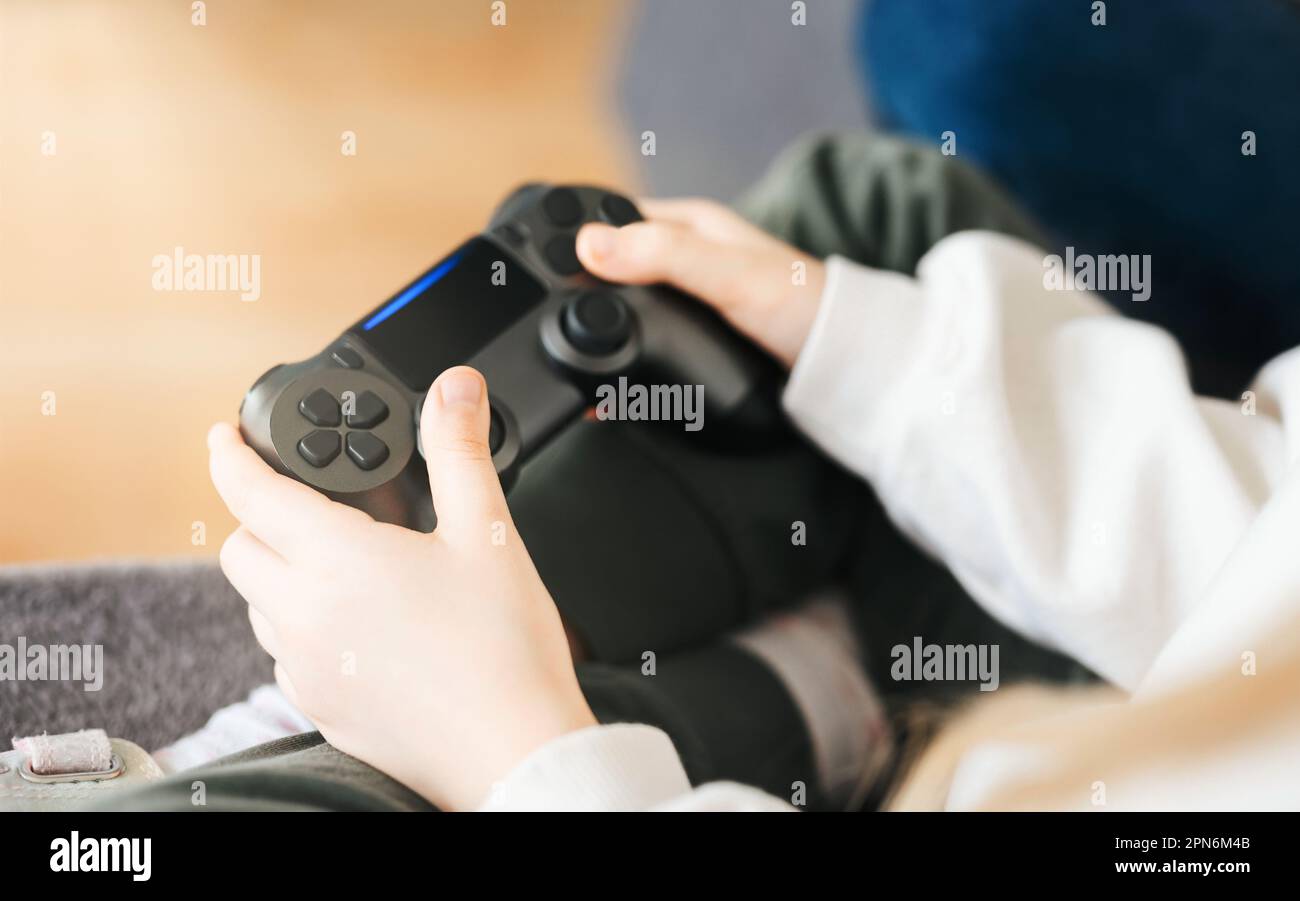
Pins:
<point x="450" y="313"/>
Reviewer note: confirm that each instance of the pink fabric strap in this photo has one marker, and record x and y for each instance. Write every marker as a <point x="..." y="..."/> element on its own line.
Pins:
<point x="87" y="751"/>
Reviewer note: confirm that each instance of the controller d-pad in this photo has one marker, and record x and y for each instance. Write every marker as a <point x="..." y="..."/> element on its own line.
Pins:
<point x="320" y="408"/>
<point x="366" y="450"/>
<point x="562" y="207"/>
<point x="368" y="411"/>
<point x="618" y="210"/>
<point x="320" y="447"/>
<point x="562" y="255"/>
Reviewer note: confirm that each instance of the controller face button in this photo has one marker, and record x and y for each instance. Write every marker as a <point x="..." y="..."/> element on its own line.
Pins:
<point x="562" y="207"/>
<point x="319" y="448"/>
<point x="618" y="210"/>
<point x="320" y="408"/>
<point x="347" y="357"/>
<point x="496" y="432"/>
<point x="366" y="450"/>
<point x="368" y="412"/>
<point x="562" y="255"/>
<point x="597" y="322"/>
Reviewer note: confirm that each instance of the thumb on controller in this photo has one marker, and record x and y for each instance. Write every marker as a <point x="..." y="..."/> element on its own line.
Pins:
<point x="467" y="495"/>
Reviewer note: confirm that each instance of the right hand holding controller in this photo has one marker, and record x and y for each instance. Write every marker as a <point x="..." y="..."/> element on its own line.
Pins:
<point x="708" y="251"/>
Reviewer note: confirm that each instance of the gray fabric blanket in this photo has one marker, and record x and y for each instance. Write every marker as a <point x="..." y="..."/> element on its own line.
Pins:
<point x="176" y="646"/>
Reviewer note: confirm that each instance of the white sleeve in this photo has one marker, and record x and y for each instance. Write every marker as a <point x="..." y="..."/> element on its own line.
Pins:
<point x="620" y="767"/>
<point x="1045" y="448"/>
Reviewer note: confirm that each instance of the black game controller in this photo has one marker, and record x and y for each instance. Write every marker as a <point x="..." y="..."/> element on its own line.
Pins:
<point x="516" y="304"/>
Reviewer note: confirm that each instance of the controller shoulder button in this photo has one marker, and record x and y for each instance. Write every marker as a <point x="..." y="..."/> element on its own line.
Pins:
<point x="562" y="255"/>
<point x="347" y="357"/>
<point x="562" y="207"/>
<point x="618" y="210"/>
<point x="366" y="450"/>
<point x="597" y="322"/>
<point x="320" y="408"/>
<point x="368" y="411"/>
<point x="320" y="447"/>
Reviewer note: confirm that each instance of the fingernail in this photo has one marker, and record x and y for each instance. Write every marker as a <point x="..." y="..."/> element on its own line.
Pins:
<point x="460" y="386"/>
<point x="599" y="239"/>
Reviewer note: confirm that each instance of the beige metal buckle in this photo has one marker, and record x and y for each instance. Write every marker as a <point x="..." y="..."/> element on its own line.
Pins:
<point x="115" y="768"/>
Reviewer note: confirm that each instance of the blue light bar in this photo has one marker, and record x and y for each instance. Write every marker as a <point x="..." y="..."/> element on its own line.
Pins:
<point x="424" y="284"/>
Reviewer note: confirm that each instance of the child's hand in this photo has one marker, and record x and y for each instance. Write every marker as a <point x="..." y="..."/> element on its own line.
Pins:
<point x="440" y="658"/>
<point x="766" y="289"/>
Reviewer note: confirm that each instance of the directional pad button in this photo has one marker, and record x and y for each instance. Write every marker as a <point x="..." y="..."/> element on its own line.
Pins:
<point x="366" y="450"/>
<point x="320" y="408"/>
<point x="369" y="411"/>
<point x="319" y="448"/>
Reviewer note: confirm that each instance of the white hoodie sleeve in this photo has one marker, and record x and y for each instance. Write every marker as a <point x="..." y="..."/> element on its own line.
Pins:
<point x="620" y="767"/>
<point x="1048" y="450"/>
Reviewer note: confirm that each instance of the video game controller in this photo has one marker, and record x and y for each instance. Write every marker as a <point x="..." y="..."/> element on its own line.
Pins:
<point x="515" y="303"/>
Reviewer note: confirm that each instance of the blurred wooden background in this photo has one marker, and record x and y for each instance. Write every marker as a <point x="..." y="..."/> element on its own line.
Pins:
<point x="226" y="138"/>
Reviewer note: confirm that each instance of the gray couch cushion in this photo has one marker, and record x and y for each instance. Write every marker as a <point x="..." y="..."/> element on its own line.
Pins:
<point x="176" y="646"/>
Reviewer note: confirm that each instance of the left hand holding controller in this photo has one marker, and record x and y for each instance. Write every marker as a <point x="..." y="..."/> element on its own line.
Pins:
<point x="437" y="658"/>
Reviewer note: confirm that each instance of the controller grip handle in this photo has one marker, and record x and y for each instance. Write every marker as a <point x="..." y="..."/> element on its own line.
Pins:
<point x="688" y="342"/>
